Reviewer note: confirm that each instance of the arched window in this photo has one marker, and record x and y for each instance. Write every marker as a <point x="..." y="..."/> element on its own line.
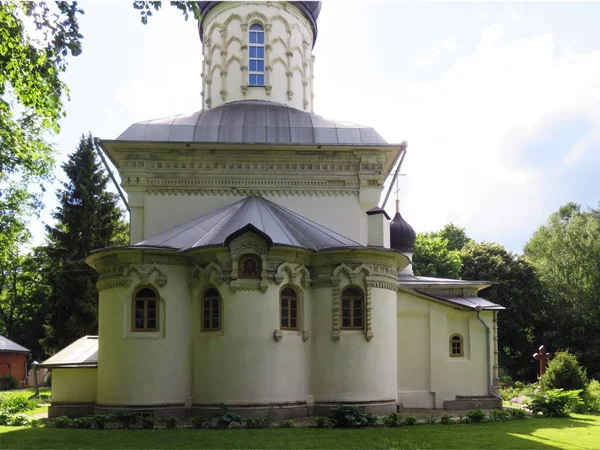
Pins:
<point x="145" y="310"/>
<point x="256" y="59"/>
<point x="456" y="345"/>
<point x="352" y="308"/>
<point x="249" y="267"/>
<point x="288" y="301"/>
<point x="211" y="310"/>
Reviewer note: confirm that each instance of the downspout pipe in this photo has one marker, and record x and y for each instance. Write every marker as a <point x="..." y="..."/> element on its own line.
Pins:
<point x="488" y="354"/>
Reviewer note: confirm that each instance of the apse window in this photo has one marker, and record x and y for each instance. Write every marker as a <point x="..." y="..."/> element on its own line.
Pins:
<point x="211" y="310"/>
<point x="456" y="345"/>
<point x="249" y="266"/>
<point x="256" y="60"/>
<point x="288" y="301"/>
<point x="145" y="310"/>
<point x="352" y="308"/>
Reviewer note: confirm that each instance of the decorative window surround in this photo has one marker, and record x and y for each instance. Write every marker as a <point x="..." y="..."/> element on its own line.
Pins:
<point x="457" y="346"/>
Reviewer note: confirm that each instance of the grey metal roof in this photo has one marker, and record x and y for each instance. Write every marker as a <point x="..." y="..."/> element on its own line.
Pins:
<point x="277" y="224"/>
<point x="418" y="281"/>
<point x="6" y="345"/>
<point x="81" y="353"/>
<point x="252" y="122"/>
<point x="466" y="302"/>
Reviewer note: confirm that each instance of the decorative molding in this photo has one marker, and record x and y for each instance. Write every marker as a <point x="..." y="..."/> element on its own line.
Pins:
<point x="278" y="335"/>
<point x="368" y="310"/>
<point x="305" y="335"/>
<point x="144" y="272"/>
<point x="336" y="309"/>
<point x="223" y="93"/>
<point x="211" y="273"/>
<point x="296" y="274"/>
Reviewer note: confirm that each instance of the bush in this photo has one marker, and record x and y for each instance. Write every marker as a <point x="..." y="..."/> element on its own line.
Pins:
<point x="8" y="383"/>
<point x="82" y="422"/>
<point x="19" y="420"/>
<point x="564" y="372"/>
<point x="445" y="419"/>
<point x="200" y="422"/>
<point x="99" y="421"/>
<point x="36" y="423"/>
<point x="372" y="420"/>
<point x="591" y="397"/>
<point x="4" y="418"/>
<point x="474" y="416"/>
<point x="429" y="420"/>
<point x="63" y="422"/>
<point x="555" y="402"/>
<point x="410" y="420"/>
<point x="171" y="422"/>
<point x="346" y="416"/>
<point x="498" y="415"/>
<point x="15" y="403"/>
<point x="286" y="424"/>
<point x="323" y="422"/>
<point x="148" y="422"/>
<point x="516" y="413"/>
<point x="227" y="419"/>
<point x="255" y="422"/>
<point x="127" y="420"/>
<point x="393" y="420"/>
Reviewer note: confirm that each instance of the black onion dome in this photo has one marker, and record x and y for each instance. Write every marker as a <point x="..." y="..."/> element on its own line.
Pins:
<point x="310" y="9"/>
<point x="402" y="235"/>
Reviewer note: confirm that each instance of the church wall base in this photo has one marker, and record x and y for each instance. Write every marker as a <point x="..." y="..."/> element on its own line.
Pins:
<point x="473" y="403"/>
<point x="70" y="409"/>
<point x="156" y="411"/>
<point x="279" y="411"/>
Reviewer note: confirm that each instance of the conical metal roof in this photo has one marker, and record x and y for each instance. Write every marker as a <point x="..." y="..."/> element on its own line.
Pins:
<point x="278" y="225"/>
<point x="402" y="235"/>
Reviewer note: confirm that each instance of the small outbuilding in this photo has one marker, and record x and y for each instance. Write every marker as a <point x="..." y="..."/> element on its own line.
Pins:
<point x="13" y="360"/>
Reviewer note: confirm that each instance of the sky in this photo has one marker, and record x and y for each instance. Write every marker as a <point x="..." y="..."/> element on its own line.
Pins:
<point x="499" y="102"/>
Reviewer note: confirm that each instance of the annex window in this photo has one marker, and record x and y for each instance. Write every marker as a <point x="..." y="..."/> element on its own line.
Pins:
<point x="352" y="308"/>
<point x="256" y="59"/>
<point x="145" y="310"/>
<point x="456" y="345"/>
<point x="211" y="310"/>
<point x="249" y="266"/>
<point x="288" y="301"/>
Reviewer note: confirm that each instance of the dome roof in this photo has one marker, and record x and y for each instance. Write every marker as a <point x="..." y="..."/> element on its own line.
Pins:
<point x="310" y="9"/>
<point x="402" y="235"/>
<point x="252" y="122"/>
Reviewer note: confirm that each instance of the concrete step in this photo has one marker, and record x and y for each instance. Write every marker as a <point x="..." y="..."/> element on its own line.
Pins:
<point x="473" y="402"/>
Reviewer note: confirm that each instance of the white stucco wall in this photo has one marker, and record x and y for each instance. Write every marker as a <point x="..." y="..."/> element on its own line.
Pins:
<point x="244" y="363"/>
<point x="288" y="54"/>
<point x="427" y="374"/>
<point x="146" y="367"/>
<point x="354" y="369"/>
<point x="74" y="385"/>
<point x="163" y="212"/>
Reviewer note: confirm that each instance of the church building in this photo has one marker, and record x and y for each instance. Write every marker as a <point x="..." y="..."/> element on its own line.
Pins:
<point x="262" y="271"/>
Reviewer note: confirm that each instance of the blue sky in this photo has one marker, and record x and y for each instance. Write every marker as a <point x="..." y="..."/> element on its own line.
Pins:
<point x="499" y="102"/>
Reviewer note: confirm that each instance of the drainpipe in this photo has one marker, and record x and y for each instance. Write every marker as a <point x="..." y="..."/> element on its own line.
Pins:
<point x="488" y="354"/>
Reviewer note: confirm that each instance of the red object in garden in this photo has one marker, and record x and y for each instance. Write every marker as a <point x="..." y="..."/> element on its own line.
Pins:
<point x="543" y="356"/>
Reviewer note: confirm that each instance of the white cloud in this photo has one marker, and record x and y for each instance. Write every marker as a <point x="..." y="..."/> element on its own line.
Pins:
<point x="424" y="61"/>
<point x="448" y="43"/>
<point x="457" y="128"/>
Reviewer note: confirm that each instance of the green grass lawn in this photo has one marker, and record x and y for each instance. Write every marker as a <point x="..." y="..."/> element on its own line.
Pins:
<point x="577" y="432"/>
<point x="28" y="392"/>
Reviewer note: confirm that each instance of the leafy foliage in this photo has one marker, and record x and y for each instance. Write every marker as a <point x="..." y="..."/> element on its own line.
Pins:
<point x="255" y="422"/>
<point x="446" y="419"/>
<point x="456" y="236"/>
<point x="393" y="420"/>
<point x="591" y="397"/>
<point x="410" y="420"/>
<point x="517" y="288"/>
<point x="474" y="416"/>
<point x="564" y="372"/>
<point x="199" y="422"/>
<point x="127" y="420"/>
<point x="15" y="403"/>
<point x="566" y="254"/>
<point x="286" y="424"/>
<point x="323" y="422"/>
<point x="555" y="402"/>
<point x="8" y="382"/>
<point x="171" y="422"/>
<point x="146" y="8"/>
<point x="88" y="218"/>
<point x="433" y="258"/>
<point x="226" y="419"/>
<point x="346" y="416"/>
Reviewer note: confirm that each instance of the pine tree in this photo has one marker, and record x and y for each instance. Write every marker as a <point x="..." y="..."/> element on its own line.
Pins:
<point x="87" y="218"/>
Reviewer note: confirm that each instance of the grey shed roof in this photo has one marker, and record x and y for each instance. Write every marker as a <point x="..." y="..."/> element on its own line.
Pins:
<point x="6" y="345"/>
<point x="252" y="122"/>
<point x="466" y="302"/>
<point x="81" y="353"/>
<point x="277" y="224"/>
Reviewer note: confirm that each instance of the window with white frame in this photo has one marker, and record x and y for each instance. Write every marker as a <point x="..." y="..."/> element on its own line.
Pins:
<point x="256" y="56"/>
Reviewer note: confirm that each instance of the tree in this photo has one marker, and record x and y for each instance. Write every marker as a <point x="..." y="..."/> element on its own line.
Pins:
<point x="433" y="258"/>
<point x="566" y="254"/>
<point x="456" y="236"/>
<point x="88" y="218"/>
<point x="564" y="372"/>
<point x="517" y="288"/>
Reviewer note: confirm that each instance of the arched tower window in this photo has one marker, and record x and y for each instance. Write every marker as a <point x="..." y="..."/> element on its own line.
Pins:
<point x="211" y="310"/>
<point x="249" y="266"/>
<point x="456" y="345"/>
<point x="288" y="301"/>
<point x="256" y="60"/>
<point x="352" y="308"/>
<point x="145" y="310"/>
